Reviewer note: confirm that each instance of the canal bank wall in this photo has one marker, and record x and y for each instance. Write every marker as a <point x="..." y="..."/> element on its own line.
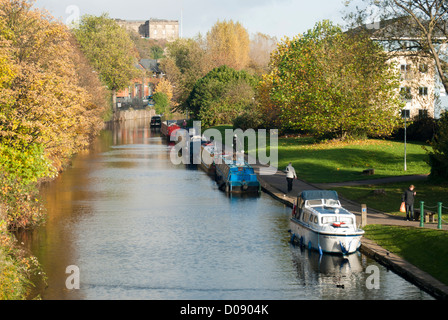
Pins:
<point x="369" y="248"/>
<point x="128" y="115"/>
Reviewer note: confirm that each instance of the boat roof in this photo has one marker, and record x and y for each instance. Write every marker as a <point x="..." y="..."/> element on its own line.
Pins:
<point x="319" y="194"/>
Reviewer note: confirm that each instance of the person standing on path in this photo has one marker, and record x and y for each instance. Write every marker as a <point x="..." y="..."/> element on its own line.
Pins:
<point x="408" y="198"/>
<point x="290" y="176"/>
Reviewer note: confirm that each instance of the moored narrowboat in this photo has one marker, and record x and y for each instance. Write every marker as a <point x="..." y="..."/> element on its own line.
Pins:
<point x="236" y="176"/>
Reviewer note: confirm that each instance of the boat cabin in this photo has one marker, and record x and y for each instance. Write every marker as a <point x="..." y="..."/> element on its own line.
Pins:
<point x="322" y="208"/>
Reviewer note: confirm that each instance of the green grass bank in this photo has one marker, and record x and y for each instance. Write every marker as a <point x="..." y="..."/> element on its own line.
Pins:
<point x="427" y="249"/>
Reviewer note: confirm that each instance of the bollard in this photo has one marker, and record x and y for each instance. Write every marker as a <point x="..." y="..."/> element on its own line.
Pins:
<point x="422" y="213"/>
<point x="439" y="219"/>
<point x="363" y="215"/>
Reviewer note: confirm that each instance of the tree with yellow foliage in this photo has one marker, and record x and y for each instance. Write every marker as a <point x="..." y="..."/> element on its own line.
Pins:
<point x="164" y="86"/>
<point x="228" y="44"/>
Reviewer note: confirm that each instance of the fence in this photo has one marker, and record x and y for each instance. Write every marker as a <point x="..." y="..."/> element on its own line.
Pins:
<point x="429" y="209"/>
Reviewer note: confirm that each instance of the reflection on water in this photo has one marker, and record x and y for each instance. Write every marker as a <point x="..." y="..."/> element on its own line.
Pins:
<point x="139" y="227"/>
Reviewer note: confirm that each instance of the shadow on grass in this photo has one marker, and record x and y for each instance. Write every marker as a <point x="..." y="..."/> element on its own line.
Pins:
<point x="347" y="164"/>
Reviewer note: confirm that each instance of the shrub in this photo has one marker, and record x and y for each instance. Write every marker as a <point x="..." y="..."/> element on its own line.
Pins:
<point x="438" y="157"/>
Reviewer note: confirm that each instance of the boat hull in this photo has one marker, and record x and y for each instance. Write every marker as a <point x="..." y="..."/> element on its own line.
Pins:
<point x="235" y="181"/>
<point x="343" y="242"/>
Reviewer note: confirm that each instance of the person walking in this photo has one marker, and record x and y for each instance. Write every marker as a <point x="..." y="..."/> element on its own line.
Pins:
<point x="408" y="198"/>
<point x="290" y="176"/>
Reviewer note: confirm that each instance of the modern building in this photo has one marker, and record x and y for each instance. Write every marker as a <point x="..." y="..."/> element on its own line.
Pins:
<point x="421" y="87"/>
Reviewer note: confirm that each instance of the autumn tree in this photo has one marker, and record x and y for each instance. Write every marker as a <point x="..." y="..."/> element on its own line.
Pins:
<point x="186" y="61"/>
<point x="228" y="44"/>
<point x="110" y="50"/>
<point x="164" y="86"/>
<point x="330" y="83"/>
<point x="48" y="111"/>
<point x="148" y="48"/>
<point x="221" y="96"/>
<point x="261" y="47"/>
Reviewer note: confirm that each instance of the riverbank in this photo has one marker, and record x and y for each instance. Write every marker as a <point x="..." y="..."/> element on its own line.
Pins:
<point x="16" y="266"/>
<point x="275" y="186"/>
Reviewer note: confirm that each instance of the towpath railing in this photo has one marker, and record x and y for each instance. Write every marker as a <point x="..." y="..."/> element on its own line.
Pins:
<point x="431" y="210"/>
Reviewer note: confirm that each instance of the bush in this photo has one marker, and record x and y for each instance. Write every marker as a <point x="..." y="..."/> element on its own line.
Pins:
<point x="161" y="102"/>
<point x="438" y="157"/>
<point x="419" y="129"/>
<point x="15" y="268"/>
<point x="249" y="119"/>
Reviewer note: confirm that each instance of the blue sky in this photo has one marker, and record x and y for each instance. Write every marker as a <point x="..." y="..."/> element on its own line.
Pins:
<point x="273" y="17"/>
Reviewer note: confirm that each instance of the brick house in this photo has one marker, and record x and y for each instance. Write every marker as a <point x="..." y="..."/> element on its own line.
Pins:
<point x="140" y="89"/>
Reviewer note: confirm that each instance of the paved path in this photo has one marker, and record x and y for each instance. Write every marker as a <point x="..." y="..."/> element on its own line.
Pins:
<point x="276" y="186"/>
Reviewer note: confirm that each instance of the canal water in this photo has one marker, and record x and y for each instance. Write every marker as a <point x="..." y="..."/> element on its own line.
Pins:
<point x="139" y="227"/>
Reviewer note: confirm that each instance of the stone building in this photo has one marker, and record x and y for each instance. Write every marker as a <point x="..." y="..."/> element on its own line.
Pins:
<point x="157" y="29"/>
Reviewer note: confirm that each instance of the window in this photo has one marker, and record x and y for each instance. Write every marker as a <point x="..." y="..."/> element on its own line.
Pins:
<point x="347" y="220"/>
<point x="305" y="217"/>
<point x="405" y="72"/>
<point x="328" y="219"/>
<point x="405" y="93"/>
<point x="423" y="67"/>
<point x="405" y="113"/>
<point x="314" y="202"/>
<point x="423" y="91"/>
<point x="422" y="113"/>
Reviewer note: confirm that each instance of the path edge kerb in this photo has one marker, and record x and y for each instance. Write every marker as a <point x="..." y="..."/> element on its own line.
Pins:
<point x="368" y="247"/>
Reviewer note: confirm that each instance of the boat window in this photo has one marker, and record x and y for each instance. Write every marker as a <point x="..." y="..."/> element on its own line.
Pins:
<point x="305" y="217"/>
<point x="314" y="202"/>
<point x="347" y="220"/>
<point x="311" y="218"/>
<point x="316" y="220"/>
<point x="332" y="203"/>
<point x="329" y="219"/>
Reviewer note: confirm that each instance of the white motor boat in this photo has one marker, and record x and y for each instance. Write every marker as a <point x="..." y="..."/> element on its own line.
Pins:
<point x="320" y="222"/>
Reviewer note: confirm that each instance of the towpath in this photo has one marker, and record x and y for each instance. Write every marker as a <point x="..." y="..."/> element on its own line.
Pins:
<point x="276" y="186"/>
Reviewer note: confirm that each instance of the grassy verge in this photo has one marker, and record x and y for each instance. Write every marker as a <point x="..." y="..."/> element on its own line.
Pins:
<point x="389" y="199"/>
<point x="412" y="244"/>
<point x="345" y="161"/>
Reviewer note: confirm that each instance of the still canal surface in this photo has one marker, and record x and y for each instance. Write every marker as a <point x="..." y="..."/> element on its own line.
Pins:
<point x="139" y="227"/>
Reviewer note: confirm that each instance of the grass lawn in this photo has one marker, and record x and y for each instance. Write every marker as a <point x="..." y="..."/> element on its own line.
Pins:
<point x="412" y="244"/>
<point x="389" y="202"/>
<point x="345" y="161"/>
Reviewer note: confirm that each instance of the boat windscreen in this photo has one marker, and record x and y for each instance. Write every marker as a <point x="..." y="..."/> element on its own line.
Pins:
<point x="319" y="194"/>
<point x="314" y="202"/>
<point x="332" y="203"/>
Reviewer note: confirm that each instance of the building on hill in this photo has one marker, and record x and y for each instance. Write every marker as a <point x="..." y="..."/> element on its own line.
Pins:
<point x="157" y="29"/>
